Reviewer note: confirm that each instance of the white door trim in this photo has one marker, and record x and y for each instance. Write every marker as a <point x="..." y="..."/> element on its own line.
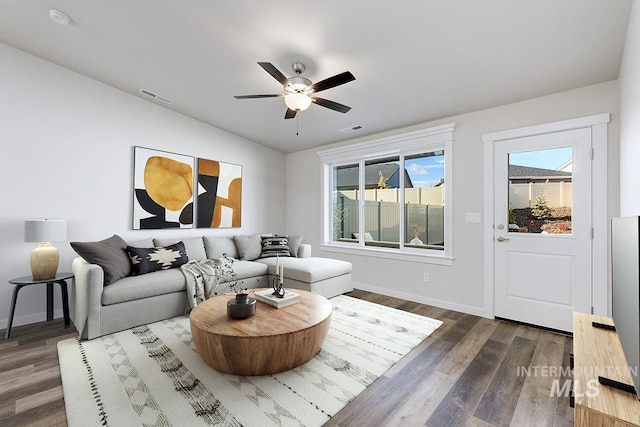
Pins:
<point x="599" y="197"/>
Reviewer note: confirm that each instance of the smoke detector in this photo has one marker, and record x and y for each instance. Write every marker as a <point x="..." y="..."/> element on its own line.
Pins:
<point x="59" y="17"/>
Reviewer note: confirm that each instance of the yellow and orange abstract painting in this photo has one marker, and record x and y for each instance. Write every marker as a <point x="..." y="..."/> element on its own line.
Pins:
<point x="163" y="190"/>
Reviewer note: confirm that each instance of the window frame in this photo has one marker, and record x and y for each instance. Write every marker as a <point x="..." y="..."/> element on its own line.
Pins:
<point x="402" y="145"/>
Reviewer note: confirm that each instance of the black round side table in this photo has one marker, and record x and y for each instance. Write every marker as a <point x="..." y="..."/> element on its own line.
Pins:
<point x="21" y="282"/>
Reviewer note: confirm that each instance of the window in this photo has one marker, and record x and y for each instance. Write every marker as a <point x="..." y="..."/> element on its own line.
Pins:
<point x="387" y="196"/>
<point x="541" y="191"/>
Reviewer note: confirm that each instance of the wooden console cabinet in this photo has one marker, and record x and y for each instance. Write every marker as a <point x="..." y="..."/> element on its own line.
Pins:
<point x="598" y="352"/>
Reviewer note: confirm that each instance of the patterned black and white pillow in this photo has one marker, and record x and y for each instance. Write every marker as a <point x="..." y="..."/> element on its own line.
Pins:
<point x="275" y="246"/>
<point x="146" y="260"/>
<point x="294" y="244"/>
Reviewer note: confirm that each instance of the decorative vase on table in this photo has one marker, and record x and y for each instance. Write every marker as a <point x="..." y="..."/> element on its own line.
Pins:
<point x="241" y="306"/>
<point x="417" y="231"/>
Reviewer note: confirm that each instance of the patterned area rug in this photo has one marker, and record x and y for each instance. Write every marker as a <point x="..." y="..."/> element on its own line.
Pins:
<point x="153" y="376"/>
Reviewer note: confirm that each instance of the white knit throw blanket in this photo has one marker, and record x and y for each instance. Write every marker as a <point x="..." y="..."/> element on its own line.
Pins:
<point x="201" y="281"/>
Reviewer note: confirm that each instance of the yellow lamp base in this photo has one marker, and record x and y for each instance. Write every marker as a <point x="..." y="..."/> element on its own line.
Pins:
<point x="44" y="261"/>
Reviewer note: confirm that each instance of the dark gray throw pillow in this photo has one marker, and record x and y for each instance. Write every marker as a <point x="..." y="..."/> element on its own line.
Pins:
<point x="110" y="254"/>
<point x="146" y="260"/>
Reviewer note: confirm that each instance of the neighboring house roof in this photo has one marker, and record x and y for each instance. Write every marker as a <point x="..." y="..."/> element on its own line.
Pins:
<point x="347" y="178"/>
<point x="566" y="166"/>
<point x="527" y="172"/>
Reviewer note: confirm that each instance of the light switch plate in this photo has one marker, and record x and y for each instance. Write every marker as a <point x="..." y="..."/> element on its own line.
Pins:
<point x="473" y="216"/>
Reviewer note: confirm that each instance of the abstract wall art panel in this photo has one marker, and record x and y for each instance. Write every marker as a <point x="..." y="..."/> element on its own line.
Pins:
<point x="162" y="189"/>
<point x="219" y="202"/>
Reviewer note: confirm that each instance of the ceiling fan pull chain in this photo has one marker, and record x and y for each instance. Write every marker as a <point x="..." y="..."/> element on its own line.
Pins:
<point x="297" y="118"/>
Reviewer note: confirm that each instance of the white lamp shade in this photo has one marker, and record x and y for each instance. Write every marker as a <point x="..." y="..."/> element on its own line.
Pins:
<point x="45" y="230"/>
<point x="297" y="101"/>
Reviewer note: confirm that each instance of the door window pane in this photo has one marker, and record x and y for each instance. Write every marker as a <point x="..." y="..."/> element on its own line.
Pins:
<point x="540" y="191"/>
<point x="424" y="200"/>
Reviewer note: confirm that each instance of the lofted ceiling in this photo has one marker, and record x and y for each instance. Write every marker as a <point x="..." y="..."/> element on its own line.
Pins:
<point x="414" y="60"/>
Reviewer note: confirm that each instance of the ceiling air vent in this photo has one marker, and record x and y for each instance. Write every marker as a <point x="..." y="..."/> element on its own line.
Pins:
<point x="351" y="129"/>
<point x="155" y="96"/>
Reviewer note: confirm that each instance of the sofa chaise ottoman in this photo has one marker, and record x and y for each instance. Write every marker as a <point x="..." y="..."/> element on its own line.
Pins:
<point x="108" y="298"/>
<point x="325" y="276"/>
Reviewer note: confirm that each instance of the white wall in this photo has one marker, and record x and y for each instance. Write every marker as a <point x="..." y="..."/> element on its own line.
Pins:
<point x="67" y="151"/>
<point x="459" y="287"/>
<point x="630" y="118"/>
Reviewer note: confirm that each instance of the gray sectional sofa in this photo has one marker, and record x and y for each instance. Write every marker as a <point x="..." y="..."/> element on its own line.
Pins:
<point x="121" y="303"/>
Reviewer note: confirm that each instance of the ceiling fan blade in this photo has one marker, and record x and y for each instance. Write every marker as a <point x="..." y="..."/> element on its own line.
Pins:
<point x="257" y="96"/>
<point x="331" y="105"/>
<point x="275" y="73"/>
<point x="337" y="80"/>
<point x="290" y="114"/>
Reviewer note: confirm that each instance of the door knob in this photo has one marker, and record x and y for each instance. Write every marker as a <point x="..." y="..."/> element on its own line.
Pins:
<point x="501" y="239"/>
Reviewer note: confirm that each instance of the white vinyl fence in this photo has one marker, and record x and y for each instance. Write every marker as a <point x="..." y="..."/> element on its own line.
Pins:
<point x="381" y="216"/>
<point x="419" y="196"/>
<point x="425" y="207"/>
<point x="557" y="194"/>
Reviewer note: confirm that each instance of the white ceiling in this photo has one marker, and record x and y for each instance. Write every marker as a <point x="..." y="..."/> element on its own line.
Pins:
<point x="414" y="60"/>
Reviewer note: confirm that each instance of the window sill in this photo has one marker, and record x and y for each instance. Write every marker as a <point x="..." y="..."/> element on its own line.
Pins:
<point x="379" y="252"/>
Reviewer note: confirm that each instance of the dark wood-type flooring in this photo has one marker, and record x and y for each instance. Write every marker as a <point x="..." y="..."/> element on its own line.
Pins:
<point x="470" y="372"/>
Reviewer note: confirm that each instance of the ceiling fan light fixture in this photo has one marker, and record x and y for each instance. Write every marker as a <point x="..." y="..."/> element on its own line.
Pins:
<point x="297" y="101"/>
<point x="297" y="84"/>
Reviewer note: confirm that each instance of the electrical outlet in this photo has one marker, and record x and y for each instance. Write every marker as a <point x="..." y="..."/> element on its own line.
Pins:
<point x="426" y="277"/>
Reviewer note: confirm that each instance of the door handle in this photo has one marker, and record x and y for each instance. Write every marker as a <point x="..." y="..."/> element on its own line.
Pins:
<point x="502" y="239"/>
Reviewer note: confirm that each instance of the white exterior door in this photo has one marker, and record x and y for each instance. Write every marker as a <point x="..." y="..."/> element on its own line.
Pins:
<point x="542" y="255"/>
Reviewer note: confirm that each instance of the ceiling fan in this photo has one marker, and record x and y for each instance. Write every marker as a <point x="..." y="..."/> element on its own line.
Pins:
<point x="298" y="90"/>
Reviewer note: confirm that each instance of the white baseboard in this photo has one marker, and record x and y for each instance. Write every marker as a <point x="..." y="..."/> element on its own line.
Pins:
<point x="468" y="309"/>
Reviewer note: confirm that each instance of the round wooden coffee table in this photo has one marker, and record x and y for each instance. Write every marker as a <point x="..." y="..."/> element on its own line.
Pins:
<point x="273" y="340"/>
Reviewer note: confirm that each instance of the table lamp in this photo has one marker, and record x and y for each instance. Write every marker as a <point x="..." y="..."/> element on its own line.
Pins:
<point x="45" y="258"/>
